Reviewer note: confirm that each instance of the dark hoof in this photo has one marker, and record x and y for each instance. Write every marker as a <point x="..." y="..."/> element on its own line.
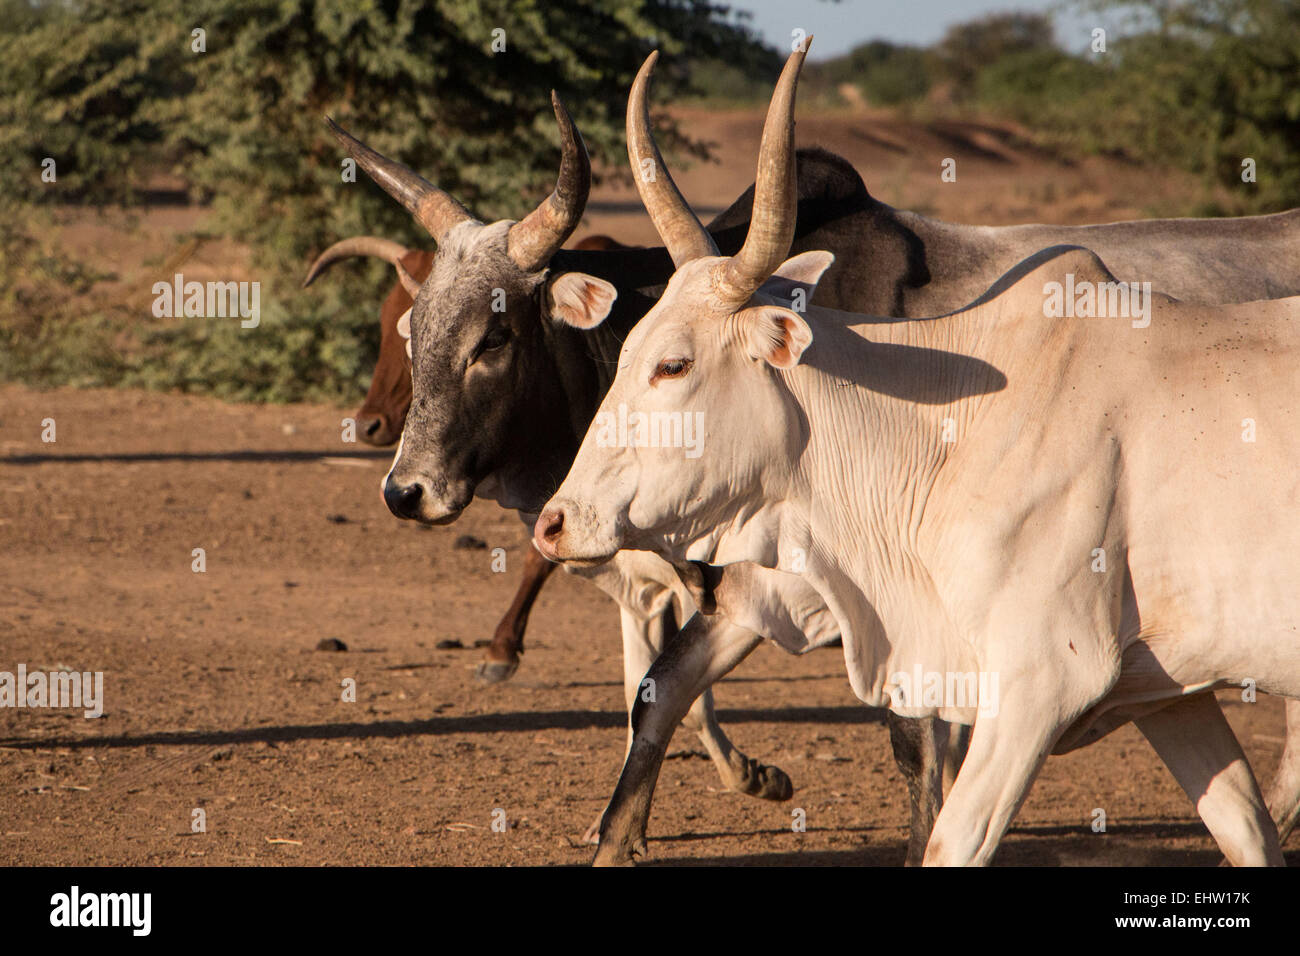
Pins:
<point x="494" y="672"/>
<point x="619" y="856"/>
<point x="615" y="850"/>
<point x="763" y="781"/>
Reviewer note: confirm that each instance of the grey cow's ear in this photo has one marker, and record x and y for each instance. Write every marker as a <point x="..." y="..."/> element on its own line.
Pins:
<point x="580" y="300"/>
<point x="803" y="271"/>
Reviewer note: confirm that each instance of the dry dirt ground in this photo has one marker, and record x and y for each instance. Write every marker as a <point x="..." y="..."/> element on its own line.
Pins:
<point x="217" y="700"/>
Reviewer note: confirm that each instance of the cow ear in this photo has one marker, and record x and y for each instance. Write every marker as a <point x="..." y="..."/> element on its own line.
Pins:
<point x="803" y="271"/>
<point x="773" y="335"/>
<point x="404" y="330"/>
<point x="579" y="300"/>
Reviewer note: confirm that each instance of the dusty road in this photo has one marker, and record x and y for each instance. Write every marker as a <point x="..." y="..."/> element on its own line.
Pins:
<point x="216" y="699"/>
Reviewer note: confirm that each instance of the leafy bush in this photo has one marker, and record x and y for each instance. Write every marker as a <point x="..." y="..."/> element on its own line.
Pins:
<point x="1047" y="90"/>
<point x="44" y="336"/>
<point x="120" y="90"/>
<point x="1199" y="86"/>
<point x="887" y="74"/>
<point x="968" y="48"/>
<point x="76" y="84"/>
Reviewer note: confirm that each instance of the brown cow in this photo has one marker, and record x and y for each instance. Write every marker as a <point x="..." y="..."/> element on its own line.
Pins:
<point x="383" y="413"/>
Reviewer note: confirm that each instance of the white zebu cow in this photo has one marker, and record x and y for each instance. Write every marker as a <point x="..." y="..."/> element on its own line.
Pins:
<point x="1064" y="505"/>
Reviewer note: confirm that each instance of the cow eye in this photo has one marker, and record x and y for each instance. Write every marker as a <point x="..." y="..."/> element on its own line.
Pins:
<point x="671" y="368"/>
<point x="494" y="340"/>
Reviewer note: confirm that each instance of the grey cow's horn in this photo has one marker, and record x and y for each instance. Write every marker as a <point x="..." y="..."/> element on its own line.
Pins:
<point x="535" y="238"/>
<point x="682" y="233"/>
<point x="432" y="208"/>
<point x="771" y="230"/>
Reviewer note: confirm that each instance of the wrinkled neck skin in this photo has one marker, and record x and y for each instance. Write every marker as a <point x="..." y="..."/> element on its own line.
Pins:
<point x="850" y="514"/>
<point x="584" y="363"/>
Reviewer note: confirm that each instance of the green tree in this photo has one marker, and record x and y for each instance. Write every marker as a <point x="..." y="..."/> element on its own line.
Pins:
<point x="967" y="48"/>
<point x="116" y="90"/>
<point x="887" y="73"/>
<point x="1209" y="84"/>
<point x="75" y="82"/>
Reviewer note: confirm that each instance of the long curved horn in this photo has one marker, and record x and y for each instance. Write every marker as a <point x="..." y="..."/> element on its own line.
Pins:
<point x="771" y="228"/>
<point x="432" y="208"/>
<point x="391" y="252"/>
<point x="534" y="239"/>
<point x="679" y="227"/>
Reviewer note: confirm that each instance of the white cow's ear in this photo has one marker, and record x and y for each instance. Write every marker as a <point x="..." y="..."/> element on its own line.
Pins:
<point x="803" y="271"/>
<point x="773" y="335"/>
<point x="579" y="300"/>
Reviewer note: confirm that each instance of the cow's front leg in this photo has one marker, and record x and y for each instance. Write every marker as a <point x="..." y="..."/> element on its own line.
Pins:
<point x="739" y="772"/>
<point x="1005" y="757"/>
<point x="1014" y="732"/>
<point x="693" y="658"/>
<point x="643" y="639"/>
<point x="919" y="744"/>
<point x="502" y="657"/>
<point x="1284" y="792"/>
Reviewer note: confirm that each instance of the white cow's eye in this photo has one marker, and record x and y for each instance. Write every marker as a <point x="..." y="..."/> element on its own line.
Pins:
<point x="671" y="368"/>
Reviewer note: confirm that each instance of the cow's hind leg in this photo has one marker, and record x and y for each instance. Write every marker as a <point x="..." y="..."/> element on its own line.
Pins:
<point x="1194" y="740"/>
<point x="701" y="653"/>
<point x="1284" y="792"/>
<point x="919" y="744"/>
<point x="502" y="658"/>
<point x="958" y="744"/>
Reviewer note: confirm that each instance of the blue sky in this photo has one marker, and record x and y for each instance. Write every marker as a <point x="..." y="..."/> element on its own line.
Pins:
<point x="839" y="27"/>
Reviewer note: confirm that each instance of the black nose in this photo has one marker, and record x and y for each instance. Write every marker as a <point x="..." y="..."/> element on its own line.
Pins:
<point x="403" y="500"/>
<point x="371" y="429"/>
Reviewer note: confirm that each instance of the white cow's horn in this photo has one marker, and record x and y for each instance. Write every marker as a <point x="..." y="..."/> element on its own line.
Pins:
<point x="677" y="225"/>
<point x="771" y="230"/>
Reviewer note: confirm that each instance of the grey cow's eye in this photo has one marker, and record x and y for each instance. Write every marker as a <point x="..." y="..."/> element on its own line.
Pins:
<point x="494" y="340"/>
